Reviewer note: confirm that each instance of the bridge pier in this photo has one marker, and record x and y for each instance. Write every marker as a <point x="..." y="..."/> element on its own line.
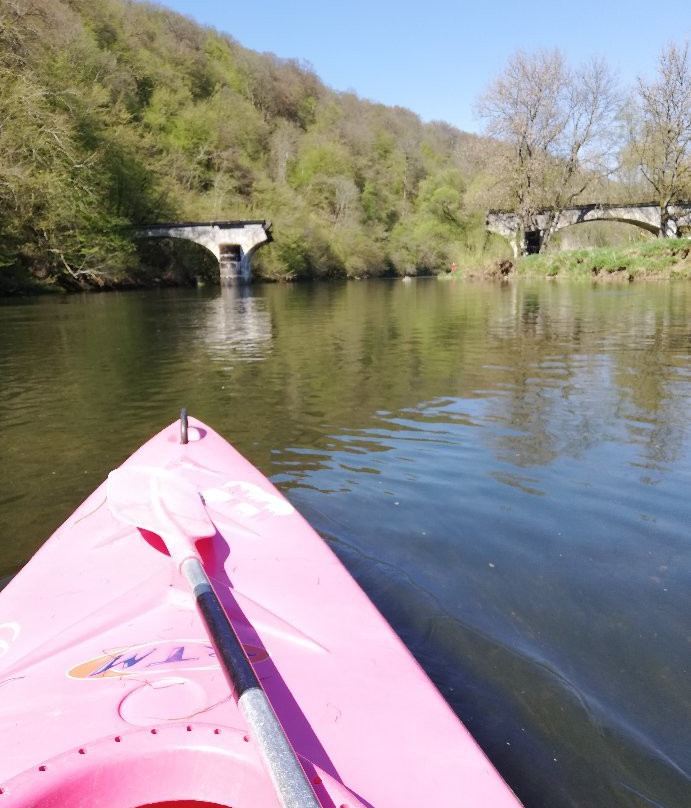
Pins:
<point x="232" y="243"/>
<point x="230" y="266"/>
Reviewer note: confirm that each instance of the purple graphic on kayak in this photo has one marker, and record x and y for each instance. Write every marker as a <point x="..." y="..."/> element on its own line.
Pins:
<point x="156" y="657"/>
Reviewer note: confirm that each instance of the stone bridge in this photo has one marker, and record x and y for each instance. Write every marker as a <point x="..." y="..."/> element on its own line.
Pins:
<point x="233" y="243"/>
<point x="645" y="215"/>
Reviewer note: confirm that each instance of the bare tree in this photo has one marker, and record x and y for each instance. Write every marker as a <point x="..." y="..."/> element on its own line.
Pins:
<point x="557" y="127"/>
<point x="660" y="132"/>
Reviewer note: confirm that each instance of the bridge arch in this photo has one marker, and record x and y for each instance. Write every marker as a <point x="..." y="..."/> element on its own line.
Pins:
<point x="175" y="260"/>
<point x="646" y="217"/>
<point x="207" y="248"/>
<point x="649" y="228"/>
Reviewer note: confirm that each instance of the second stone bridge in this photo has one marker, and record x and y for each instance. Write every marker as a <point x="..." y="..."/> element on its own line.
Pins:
<point x="647" y="215"/>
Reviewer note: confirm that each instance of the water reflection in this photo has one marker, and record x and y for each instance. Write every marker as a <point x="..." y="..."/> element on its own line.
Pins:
<point x="572" y="379"/>
<point x="237" y="325"/>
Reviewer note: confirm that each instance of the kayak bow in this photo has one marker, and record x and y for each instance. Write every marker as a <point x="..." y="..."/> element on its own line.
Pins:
<point x="116" y="692"/>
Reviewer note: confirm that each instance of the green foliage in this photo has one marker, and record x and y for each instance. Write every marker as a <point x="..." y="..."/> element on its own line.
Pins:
<point x="115" y="114"/>
<point x="300" y="251"/>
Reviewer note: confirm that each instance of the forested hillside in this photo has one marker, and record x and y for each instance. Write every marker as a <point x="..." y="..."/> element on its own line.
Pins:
<point x="118" y="113"/>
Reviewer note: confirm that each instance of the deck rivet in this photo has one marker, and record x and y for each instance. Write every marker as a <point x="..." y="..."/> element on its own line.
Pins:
<point x="246" y="738"/>
<point x="42" y="768"/>
<point x="82" y="751"/>
<point x="189" y="728"/>
<point x="117" y="739"/>
<point x="217" y="731"/>
<point x="154" y="732"/>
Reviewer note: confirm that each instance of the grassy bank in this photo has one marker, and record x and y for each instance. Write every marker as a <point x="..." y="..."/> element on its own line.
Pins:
<point x="660" y="259"/>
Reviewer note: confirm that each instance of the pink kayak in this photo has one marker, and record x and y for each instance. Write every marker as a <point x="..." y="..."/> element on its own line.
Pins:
<point x="121" y="682"/>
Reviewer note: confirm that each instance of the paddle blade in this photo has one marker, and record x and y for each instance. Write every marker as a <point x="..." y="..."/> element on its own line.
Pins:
<point x="159" y="501"/>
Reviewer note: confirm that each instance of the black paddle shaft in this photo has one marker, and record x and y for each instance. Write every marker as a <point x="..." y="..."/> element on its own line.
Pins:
<point x="228" y="648"/>
<point x="289" y="779"/>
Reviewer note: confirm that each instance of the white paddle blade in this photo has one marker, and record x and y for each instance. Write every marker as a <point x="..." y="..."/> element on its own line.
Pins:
<point x="158" y="500"/>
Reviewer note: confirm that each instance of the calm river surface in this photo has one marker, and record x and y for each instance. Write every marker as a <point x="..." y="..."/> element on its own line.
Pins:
<point x="505" y="469"/>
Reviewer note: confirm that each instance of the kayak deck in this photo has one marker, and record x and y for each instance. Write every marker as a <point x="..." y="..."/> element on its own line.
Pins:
<point x="111" y="695"/>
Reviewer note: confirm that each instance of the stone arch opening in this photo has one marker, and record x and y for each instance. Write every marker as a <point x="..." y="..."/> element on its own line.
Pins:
<point x="178" y="261"/>
<point x="599" y="233"/>
<point x="533" y="241"/>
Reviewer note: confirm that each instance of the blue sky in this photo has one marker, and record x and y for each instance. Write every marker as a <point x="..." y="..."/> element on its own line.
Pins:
<point x="436" y="56"/>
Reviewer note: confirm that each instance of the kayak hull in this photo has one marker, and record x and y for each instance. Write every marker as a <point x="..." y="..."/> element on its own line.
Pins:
<point x="111" y="695"/>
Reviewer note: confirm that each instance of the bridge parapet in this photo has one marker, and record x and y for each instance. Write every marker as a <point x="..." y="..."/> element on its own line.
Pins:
<point x="232" y="242"/>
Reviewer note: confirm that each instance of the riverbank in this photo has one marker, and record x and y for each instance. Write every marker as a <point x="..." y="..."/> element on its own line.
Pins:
<point x="664" y="259"/>
<point x="16" y="282"/>
<point x="19" y="282"/>
<point x="661" y="259"/>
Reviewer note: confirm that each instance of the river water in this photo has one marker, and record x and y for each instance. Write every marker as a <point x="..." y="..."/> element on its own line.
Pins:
<point x="506" y="470"/>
